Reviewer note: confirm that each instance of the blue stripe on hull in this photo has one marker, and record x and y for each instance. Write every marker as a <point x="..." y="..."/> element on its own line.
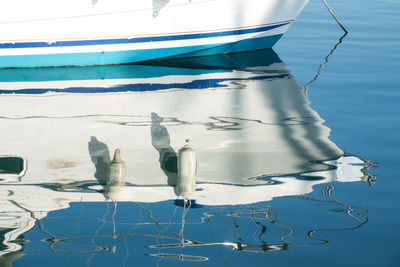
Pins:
<point x="130" y="56"/>
<point x="176" y="37"/>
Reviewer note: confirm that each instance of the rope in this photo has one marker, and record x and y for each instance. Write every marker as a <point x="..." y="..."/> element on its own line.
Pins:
<point x="333" y="15"/>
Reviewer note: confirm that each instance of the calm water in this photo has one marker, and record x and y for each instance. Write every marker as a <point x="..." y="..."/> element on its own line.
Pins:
<point x="284" y="178"/>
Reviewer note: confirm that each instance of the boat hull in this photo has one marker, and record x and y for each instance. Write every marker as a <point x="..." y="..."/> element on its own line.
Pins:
<point x="125" y="32"/>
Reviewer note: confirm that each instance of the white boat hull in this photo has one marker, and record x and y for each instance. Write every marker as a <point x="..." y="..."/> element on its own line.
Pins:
<point x="49" y="33"/>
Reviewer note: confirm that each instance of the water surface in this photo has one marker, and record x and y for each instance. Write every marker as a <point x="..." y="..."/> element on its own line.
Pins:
<point x="284" y="177"/>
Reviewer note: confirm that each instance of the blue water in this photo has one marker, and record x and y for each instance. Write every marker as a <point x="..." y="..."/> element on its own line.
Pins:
<point x="335" y="224"/>
<point x="358" y="96"/>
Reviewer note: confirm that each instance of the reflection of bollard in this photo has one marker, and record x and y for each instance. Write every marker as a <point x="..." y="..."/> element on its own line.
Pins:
<point x="187" y="166"/>
<point x="116" y="177"/>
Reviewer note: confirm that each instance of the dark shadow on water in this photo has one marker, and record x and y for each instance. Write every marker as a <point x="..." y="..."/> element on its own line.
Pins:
<point x="191" y="202"/>
<point x="161" y="142"/>
<point x="100" y="156"/>
<point x="8" y="259"/>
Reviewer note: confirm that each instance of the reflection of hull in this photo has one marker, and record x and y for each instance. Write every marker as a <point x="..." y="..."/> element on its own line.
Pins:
<point x="256" y="137"/>
<point x="28" y="204"/>
<point x="257" y="125"/>
<point x="113" y="32"/>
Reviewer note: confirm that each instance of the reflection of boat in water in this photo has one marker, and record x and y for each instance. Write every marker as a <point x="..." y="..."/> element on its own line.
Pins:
<point x="257" y="124"/>
<point x="76" y="33"/>
<point x="255" y="136"/>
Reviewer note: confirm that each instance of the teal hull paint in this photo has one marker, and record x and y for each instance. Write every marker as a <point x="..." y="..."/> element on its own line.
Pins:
<point x="130" y="56"/>
<point x="242" y="46"/>
<point x="148" y="69"/>
<point x="90" y="59"/>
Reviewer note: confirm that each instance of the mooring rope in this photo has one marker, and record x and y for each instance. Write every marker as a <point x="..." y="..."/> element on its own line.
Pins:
<point x="333" y="15"/>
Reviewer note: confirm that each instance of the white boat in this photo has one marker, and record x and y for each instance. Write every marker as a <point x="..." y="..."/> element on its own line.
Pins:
<point x="255" y="135"/>
<point x="98" y="32"/>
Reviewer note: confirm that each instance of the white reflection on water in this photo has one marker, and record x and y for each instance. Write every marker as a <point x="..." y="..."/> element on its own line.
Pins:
<point x="256" y="138"/>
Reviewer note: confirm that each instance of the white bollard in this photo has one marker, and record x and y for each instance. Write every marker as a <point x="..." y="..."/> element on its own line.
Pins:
<point x="116" y="177"/>
<point x="187" y="167"/>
